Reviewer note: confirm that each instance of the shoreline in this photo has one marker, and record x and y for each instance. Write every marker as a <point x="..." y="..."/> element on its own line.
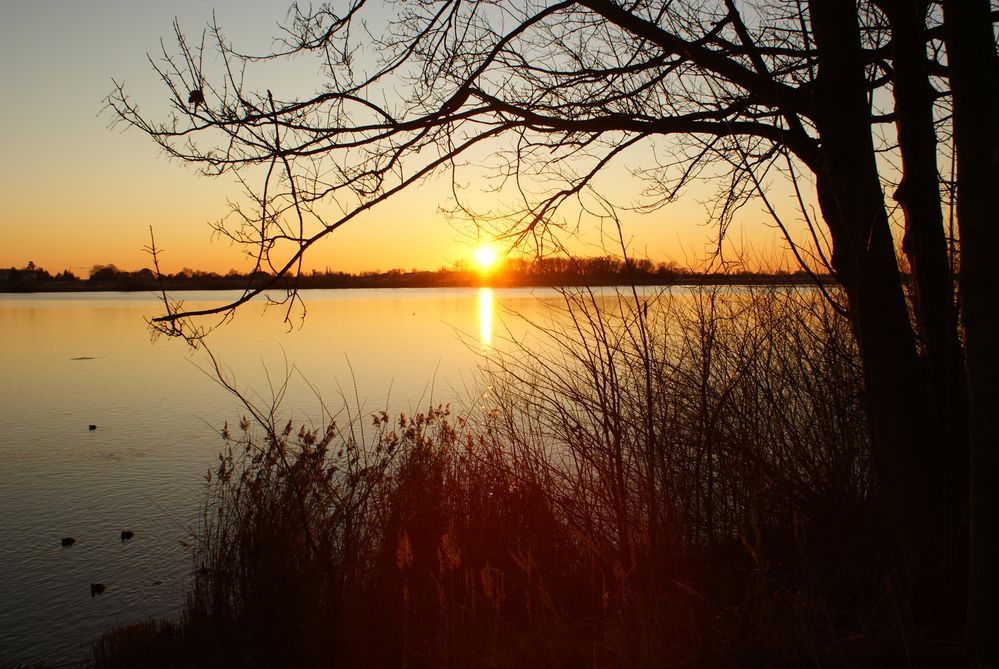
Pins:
<point x="375" y="282"/>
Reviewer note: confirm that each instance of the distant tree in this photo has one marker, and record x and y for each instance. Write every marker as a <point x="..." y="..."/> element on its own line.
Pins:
<point x="738" y="93"/>
<point x="104" y="273"/>
<point x="668" y="271"/>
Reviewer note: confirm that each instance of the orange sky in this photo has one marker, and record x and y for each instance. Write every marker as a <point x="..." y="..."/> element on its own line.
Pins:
<point x="76" y="193"/>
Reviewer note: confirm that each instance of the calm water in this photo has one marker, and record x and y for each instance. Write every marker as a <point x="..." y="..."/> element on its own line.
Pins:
<point x="71" y="360"/>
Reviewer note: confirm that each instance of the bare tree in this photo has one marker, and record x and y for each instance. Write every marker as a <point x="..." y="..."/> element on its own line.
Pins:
<point x="738" y="93"/>
<point x="974" y="73"/>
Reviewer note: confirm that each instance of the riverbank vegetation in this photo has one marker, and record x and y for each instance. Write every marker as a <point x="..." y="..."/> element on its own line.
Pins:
<point x="667" y="480"/>
<point x="551" y="271"/>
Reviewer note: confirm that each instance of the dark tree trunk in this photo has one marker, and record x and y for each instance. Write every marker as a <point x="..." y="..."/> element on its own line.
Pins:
<point x="974" y="79"/>
<point x="925" y="246"/>
<point x="903" y="428"/>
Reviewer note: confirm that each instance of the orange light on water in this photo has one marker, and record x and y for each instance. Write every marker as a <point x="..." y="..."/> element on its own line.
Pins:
<point x="485" y="318"/>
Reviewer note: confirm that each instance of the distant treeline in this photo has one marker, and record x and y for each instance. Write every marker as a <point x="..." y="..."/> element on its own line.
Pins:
<point x="553" y="271"/>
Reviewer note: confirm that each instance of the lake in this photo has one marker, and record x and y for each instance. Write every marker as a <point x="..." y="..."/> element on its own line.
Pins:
<point x="73" y="360"/>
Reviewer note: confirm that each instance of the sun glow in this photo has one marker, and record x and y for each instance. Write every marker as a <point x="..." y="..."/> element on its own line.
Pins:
<point x="486" y="258"/>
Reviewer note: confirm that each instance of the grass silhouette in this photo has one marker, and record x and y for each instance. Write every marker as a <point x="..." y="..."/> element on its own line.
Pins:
<point x="675" y="479"/>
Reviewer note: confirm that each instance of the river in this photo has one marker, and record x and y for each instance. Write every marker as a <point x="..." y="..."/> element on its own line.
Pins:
<point x="79" y="359"/>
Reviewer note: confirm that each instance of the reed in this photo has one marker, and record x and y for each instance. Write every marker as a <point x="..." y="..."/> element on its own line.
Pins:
<point x="673" y="479"/>
<point x="709" y="447"/>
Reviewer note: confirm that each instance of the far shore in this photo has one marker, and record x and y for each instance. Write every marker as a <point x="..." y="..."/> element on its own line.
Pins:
<point x="548" y="273"/>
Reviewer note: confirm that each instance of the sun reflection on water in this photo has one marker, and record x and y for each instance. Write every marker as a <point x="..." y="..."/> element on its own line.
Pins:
<point x="486" y="318"/>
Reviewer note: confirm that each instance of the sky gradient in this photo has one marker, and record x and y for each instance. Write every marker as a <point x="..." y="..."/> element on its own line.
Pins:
<point x="77" y="192"/>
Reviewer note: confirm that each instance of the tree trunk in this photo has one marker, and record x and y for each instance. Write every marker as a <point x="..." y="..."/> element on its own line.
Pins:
<point x="925" y="246"/>
<point x="903" y="429"/>
<point x="974" y="77"/>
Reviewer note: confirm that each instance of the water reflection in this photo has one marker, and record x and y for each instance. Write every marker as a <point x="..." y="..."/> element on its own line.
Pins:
<point x="81" y="359"/>
<point x="486" y="318"/>
<point x="85" y="358"/>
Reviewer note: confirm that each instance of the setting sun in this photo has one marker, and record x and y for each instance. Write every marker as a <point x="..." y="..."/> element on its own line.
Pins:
<point x="486" y="257"/>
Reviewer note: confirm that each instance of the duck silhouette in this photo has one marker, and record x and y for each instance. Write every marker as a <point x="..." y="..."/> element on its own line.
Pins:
<point x="126" y="535"/>
<point x="97" y="589"/>
<point x="68" y="541"/>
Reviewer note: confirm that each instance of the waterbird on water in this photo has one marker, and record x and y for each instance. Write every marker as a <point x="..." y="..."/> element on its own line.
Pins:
<point x="68" y="541"/>
<point x="96" y="589"/>
<point x="126" y="535"/>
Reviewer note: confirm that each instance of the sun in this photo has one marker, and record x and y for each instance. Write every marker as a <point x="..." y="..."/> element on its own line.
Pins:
<point x="486" y="257"/>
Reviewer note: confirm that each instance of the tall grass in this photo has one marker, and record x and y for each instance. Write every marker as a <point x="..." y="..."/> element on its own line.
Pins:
<point x="709" y="450"/>
<point x="672" y="479"/>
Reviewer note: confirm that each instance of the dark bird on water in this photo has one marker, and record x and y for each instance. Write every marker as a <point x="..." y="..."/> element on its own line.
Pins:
<point x="96" y="589"/>
<point x="92" y="427"/>
<point x="68" y="541"/>
<point x="126" y="535"/>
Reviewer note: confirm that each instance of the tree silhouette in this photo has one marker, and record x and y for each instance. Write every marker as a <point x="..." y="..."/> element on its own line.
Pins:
<point x="739" y="94"/>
